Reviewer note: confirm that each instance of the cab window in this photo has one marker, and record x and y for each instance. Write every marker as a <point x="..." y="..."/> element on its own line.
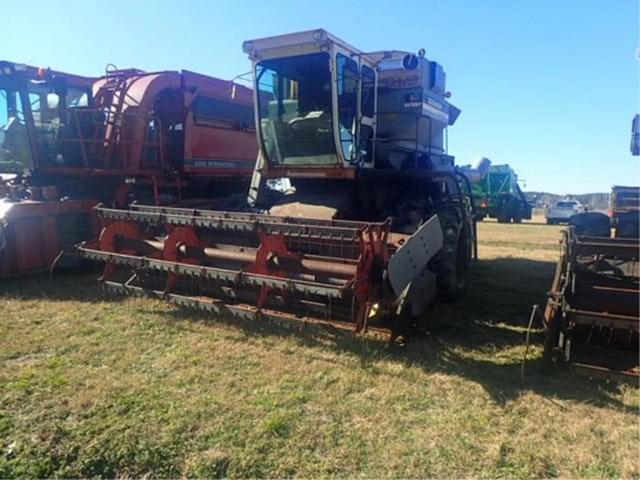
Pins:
<point x="15" y="150"/>
<point x="212" y="109"/>
<point x="368" y="91"/>
<point x="367" y="102"/>
<point x="75" y="98"/>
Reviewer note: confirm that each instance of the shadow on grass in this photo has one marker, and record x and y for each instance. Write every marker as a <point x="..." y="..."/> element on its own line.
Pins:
<point x="438" y="353"/>
<point x="460" y="339"/>
<point x="64" y="286"/>
<point x="502" y="380"/>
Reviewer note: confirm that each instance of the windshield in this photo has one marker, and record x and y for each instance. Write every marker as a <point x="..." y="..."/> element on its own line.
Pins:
<point x="56" y="126"/>
<point x="294" y="107"/>
<point x="566" y="204"/>
<point x="50" y="128"/>
<point x="15" y="151"/>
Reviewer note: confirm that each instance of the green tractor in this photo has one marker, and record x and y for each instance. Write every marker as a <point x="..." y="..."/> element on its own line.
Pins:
<point x="498" y="195"/>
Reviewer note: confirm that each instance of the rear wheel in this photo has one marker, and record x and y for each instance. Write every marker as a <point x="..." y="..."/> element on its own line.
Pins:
<point x="517" y="220"/>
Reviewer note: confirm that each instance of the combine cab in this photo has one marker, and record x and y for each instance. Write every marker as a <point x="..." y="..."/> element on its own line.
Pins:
<point x="592" y="315"/>
<point x="363" y="217"/>
<point x="35" y="107"/>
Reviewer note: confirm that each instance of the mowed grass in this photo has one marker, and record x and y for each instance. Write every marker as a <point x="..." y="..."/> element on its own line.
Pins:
<point x="91" y="386"/>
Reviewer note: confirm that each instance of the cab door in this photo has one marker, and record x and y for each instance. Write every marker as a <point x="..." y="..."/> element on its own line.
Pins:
<point x="367" y="108"/>
<point x="355" y="107"/>
<point x="346" y="105"/>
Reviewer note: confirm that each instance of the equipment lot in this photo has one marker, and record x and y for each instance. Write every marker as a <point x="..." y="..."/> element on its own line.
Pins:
<point x="96" y="386"/>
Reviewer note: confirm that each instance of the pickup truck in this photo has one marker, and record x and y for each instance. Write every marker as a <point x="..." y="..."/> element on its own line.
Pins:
<point x="563" y="211"/>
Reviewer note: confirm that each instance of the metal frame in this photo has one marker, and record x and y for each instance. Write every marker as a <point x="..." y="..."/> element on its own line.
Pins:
<point x="576" y="315"/>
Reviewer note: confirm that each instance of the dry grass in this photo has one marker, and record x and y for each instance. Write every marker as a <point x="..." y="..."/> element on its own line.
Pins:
<point x="96" y="387"/>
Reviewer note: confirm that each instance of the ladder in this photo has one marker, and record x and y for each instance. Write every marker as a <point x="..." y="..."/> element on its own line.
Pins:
<point x="110" y="100"/>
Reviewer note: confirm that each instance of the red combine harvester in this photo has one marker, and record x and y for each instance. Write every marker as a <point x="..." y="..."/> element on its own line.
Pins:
<point x="68" y="143"/>
<point x="364" y="217"/>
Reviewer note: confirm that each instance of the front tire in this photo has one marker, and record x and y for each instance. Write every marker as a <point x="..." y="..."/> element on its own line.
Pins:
<point x="452" y="263"/>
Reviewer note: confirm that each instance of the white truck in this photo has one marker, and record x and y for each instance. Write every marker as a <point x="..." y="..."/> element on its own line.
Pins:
<point x="563" y="211"/>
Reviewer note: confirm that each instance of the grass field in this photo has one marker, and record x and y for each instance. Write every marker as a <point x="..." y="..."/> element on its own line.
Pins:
<point x="97" y="387"/>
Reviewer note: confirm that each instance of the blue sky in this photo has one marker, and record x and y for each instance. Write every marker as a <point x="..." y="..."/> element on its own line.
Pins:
<point x="549" y="87"/>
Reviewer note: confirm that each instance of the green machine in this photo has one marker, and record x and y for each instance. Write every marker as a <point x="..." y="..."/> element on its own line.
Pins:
<point x="498" y="195"/>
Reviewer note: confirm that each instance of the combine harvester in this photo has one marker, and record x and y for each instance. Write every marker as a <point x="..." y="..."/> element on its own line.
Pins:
<point x="71" y="142"/>
<point x="363" y="217"/>
<point x="498" y="195"/>
<point x="593" y="314"/>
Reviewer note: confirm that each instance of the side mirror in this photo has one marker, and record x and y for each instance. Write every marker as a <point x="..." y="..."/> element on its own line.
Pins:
<point x="635" y="135"/>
